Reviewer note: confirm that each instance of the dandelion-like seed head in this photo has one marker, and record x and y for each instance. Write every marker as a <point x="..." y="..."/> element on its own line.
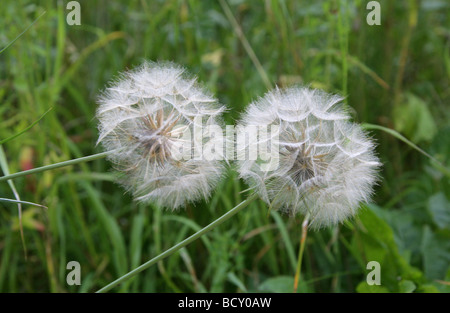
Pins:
<point x="143" y="119"/>
<point x="326" y="163"/>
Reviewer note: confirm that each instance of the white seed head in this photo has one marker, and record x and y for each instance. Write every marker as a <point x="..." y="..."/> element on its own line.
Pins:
<point x="142" y="118"/>
<point x="326" y="164"/>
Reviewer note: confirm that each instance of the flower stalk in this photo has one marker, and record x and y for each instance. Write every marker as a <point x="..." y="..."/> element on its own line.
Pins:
<point x="181" y="244"/>
<point x="54" y="166"/>
<point x="301" y="250"/>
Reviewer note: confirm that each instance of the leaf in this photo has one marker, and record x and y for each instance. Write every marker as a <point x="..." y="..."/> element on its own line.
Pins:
<point x="101" y="42"/>
<point x="399" y="136"/>
<point x="21" y="34"/>
<point x="380" y="246"/>
<point x="279" y="284"/>
<point x="428" y="288"/>
<point x="286" y="239"/>
<point x="376" y="226"/>
<point x="29" y="220"/>
<point x="413" y="118"/>
<point x="26" y="129"/>
<point x="23" y="202"/>
<point x="236" y="281"/>
<point x="5" y="168"/>
<point x="435" y="253"/>
<point x="364" y="287"/>
<point x="440" y="147"/>
<point x="406" y="286"/>
<point x="439" y="207"/>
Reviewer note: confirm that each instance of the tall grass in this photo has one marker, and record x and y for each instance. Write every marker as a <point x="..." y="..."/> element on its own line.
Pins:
<point x="326" y="44"/>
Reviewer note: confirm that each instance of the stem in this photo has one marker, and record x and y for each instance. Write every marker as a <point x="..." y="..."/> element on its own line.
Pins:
<point x="412" y="23"/>
<point x="300" y="251"/>
<point x="444" y="169"/>
<point x="343" y="31"/>
<point x="180" y="245"/>
<point x="248" y="48"/>
<point x="56" y="165"/>
<point x="22" y="202"/>
<point x="26" y="129"/>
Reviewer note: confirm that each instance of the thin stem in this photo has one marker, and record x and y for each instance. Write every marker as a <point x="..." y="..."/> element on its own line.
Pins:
<point x="56" y="165"/>
<point x="180" y="245"/>
<point x="343" y="31"/>
<point x="26" y="129"/>
<point x="21" y="34"/>
<point x="248" y="48"/>
<point x="399" y="136"/>
<point x="5" y="168"/>
<point x="412" y="23"/>
<point x="300" y="251"/>
<point x="22" y="202"/>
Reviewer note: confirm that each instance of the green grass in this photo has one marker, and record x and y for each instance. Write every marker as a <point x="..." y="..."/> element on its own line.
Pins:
<point x="395" y="75"/>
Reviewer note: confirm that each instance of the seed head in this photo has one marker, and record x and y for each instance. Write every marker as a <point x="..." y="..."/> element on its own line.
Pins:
<point x="143" y="117"/>
<point x="326" y="164"/>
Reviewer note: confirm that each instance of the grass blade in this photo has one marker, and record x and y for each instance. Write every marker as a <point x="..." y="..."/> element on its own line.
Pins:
<point x="54" y="166"/>
<point x="21" y="34"/>
<point x="22" y="202"/>
<point x="5" y="169"/>
<point x="26" y="129"/>
<point x="180" y="245"/>
<point x="399" y="136"/>
<point x="248" y="48"/>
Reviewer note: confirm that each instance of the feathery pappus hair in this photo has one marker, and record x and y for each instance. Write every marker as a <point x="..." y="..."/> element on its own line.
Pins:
<point x="143" y="117"/>
<point x="326" y="164"/>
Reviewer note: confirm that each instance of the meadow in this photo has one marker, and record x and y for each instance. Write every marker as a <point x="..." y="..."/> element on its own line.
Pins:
<point x="394" y="76"/>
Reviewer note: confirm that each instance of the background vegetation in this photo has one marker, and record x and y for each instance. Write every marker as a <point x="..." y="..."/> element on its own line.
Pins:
<point x="395" y="75"/>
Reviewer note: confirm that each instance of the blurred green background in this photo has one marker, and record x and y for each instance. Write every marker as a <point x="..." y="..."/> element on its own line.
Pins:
<point x="395" y="75"/>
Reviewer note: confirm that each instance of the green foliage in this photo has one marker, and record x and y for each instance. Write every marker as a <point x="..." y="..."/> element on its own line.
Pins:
<point x="278" y="284"/>
<point x="439" y="208"/>
<point x="413" y="118"/>
<point x="395" y="75"/>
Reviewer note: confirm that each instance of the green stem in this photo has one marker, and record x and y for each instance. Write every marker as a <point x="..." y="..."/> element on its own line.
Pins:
<point x="444" y="169"/>
<point x="343" y="31"/>
<point x="300" y="251"/>
<point x="22" y="202"/>
<point x="248" y="48"/>
<point x="56" y="165"/>
<point x="180" y="245"/>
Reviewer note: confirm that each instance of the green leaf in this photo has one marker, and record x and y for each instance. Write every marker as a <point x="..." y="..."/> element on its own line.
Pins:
<point x="26" y="129"/>
<point x="399" y="136"/>
<point x="435" y="253"/>
<point x="21" y="34"/>
<point x="280" y="284"/>
<point x="428" y="288"/>
<point x="236" y="281"/>
<point x="406" y="286"/>
<point x="22" y="202"/>
<point x="440" y="147"/>
<point x="379" y="245"/>
<point x="439" y="208"/>
<point x="364" y="287"/>
<point x="286" y="239"/>
<point x="5" y="168"/>
<point x="414" y="119"/>
<point x="376" y="225"/>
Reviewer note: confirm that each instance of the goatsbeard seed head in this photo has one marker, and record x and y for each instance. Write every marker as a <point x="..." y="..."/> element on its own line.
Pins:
<point x="326" y="166"/>
<point x="142" y="117"/>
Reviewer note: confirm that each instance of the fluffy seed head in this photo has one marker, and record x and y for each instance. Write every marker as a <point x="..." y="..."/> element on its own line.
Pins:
<point x="326" y="164"/>
<point x="143" y="117"/>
